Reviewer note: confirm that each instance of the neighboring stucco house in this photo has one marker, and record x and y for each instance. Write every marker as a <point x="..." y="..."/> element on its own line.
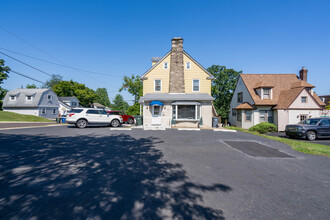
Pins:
<point x="278" y="98"/>
<point x="176" y="91"/>
<point x="67" y="103"/>
<point x="38" y="102"/>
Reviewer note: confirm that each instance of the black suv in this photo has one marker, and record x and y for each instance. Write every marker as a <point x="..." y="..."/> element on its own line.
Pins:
<point x="311" y="128"/>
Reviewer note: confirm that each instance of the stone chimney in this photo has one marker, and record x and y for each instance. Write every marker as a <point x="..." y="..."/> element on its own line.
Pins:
<point x="303" y="74"/>
<point x="177" y="67"/>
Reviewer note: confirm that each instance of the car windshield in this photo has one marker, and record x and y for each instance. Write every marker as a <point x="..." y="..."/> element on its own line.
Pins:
<point x="310" y="121"/>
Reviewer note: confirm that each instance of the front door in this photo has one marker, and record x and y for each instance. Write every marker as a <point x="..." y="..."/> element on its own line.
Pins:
<point x="156" y="115"/>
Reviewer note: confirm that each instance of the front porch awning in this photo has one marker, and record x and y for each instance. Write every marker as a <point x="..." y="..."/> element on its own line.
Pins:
<point x="167" y="97"/>
<point x="156" y="103"/>
<point x="186" y="103"/>
<point x="244" y="106"/>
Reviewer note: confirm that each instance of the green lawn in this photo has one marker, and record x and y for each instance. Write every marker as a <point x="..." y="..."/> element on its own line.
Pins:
<point x="305" y="147"/>
<point x="10" y="116"/>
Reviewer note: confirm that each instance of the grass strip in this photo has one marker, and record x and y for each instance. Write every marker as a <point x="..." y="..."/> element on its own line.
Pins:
<point x="11" y="116"/>
<point x="301" y="146"/>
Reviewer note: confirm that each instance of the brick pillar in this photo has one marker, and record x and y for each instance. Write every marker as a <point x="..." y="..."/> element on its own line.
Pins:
<point x="177" y="67"/>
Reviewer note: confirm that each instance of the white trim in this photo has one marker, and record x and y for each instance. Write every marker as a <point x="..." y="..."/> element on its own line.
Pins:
<point x="161" y="85"/>
<point x="43" y="112"/>
<point x="26" y="98"/>
<point x="199" y="82"/>
<point x="153" y="111"/>
<point x="54" y="113"/>
<point x="165" y="63"/>
<point x="189" y="129"/>
<point x="10" y="96"/>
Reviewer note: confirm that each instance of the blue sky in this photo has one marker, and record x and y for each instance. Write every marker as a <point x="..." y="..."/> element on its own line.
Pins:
<point x="119" y="37"/>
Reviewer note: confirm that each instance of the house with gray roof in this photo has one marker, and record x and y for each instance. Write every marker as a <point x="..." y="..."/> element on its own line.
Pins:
<point x="38" y="102"/>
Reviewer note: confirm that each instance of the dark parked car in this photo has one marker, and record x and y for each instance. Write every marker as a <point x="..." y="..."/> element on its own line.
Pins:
<point x="311" y="128"/>
<point x="126" y="118"/>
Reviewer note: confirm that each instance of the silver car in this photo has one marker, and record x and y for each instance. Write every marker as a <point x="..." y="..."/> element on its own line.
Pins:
<point x="82" y="117"/>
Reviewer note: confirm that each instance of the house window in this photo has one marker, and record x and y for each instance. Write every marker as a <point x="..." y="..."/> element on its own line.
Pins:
<point x="196" y="85"/>
<point x="12" y="98"/>
<point x="240" y="97"/>
<point x="156" y="110"/>
<point x="158" y="85"/>
<point x="188" y="66"/>
<point x="54" y="111"/>
<point x="74" y="104"/>
<point x="165" y="66"/>
<point x="266" y="93"/>
<point x="303" y="117"/>
<point x="233" y="112"/>
<point x="239" y="115"/>
<point x="303" y="99"/>
<point x="266" y="116"/>
<point x="186" y="112"/>
<point x="49" y="97"/>
<point x="248" y="115"/>
<point x="43" y="111"/>
<point x="29" y="97"/>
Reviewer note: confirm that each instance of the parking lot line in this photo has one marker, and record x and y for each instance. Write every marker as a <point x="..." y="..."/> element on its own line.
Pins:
<point x="120" y="129"/>
<point x="224" y="130"/>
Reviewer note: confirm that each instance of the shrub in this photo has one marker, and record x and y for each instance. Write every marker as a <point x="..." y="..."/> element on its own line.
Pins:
<point x="264" y="127"/>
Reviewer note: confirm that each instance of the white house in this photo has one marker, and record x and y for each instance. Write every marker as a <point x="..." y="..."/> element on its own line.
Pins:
<point x="38" y="102"/>
<point x="67" y="103"/>
<point x="278" y="98"/>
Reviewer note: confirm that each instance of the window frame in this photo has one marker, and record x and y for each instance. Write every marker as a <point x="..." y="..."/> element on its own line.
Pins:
<point x="249" y="115"/>
<point x="269" y="93"/>
<point x="304" y="97"/>
<point x="153" y="111"/>
<point x="54" y="111"/>
<point x="188" y="65"/>
<point x="26" y="98"/>
<point x="49" y="97"/>
<point x="42" y="111"/>
<point x="11" y="96"/>
<point x="238" y="97"/>
<point x="165" y="65"/>
<point x="197" y="112"/>
<point x="239" y="115"/>
<point x="198" y="85"/>
<point x="159" y="85"/>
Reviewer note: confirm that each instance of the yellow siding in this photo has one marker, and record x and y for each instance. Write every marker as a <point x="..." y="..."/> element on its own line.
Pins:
<point x="158" y="73"/>
<point x="195" y="72"/>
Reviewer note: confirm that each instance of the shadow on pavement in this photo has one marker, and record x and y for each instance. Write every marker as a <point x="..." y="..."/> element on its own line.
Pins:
<point x="114" y="177"/>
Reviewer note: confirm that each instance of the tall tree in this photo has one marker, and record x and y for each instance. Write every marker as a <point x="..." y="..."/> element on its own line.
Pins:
<point x="32" y="86"/>
<point x="4" y="70"/>
<point x="223" y="87"/>
<point x="119" y="103"/>
<point x="133" y="85"/>
<point x="85" y="95"/>
<point x="102" y="97"/>
<point x="55" y="79"/>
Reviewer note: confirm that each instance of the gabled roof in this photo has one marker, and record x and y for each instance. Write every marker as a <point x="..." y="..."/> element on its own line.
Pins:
<point x="301" y="84"/>
<point x="287" y="97"/>
<point x="185" y="53"/>
<point x="68" y="98"/>
<point x="263" y="84"/>
<point x="318" y="100"/>
<point x="21" y="98"/>
<point x="244" y="105"/>
<point x="98" y="105"/>
<point x="280" y="82"/>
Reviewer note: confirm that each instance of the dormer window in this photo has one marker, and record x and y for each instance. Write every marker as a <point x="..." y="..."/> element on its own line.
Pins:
<point x="266" y="93"/>
<point x="165" y="66"/>
<point x="49" y="97"/>
<point x="12" y="98"/>
<point x="29" y="98"/>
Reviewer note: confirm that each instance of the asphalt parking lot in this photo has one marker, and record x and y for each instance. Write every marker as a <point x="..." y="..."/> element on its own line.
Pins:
<point x="96" y="173"/>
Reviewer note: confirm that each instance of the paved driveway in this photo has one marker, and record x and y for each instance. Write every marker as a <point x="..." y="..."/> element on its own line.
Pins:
<point x="61" y="173"/>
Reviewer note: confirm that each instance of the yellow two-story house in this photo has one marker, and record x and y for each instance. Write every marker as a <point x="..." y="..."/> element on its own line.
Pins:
<point x="177" y="91"/>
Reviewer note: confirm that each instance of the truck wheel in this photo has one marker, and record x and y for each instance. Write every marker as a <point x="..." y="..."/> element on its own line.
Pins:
<point x="311" y="135"/>
<point x="130" y="121"/>
<point x="115" y="123"/>
<point x="81" y="123"/>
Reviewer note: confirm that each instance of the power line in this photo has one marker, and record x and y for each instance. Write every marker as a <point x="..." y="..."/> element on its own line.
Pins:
<point x="18" y="37"/>
<point x="26" y="64"/>
<point x="12" y="71"/>
<point x="62" y="65"/>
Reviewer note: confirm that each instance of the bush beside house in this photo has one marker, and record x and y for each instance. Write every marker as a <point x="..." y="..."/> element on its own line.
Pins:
<point x="264" y="127"/>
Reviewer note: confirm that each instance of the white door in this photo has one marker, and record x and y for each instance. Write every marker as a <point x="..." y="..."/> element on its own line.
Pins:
<point x="156" y="115"/>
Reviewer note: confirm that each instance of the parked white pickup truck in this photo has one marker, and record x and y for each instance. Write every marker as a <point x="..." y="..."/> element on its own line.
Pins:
<point x="81" y="117"/>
